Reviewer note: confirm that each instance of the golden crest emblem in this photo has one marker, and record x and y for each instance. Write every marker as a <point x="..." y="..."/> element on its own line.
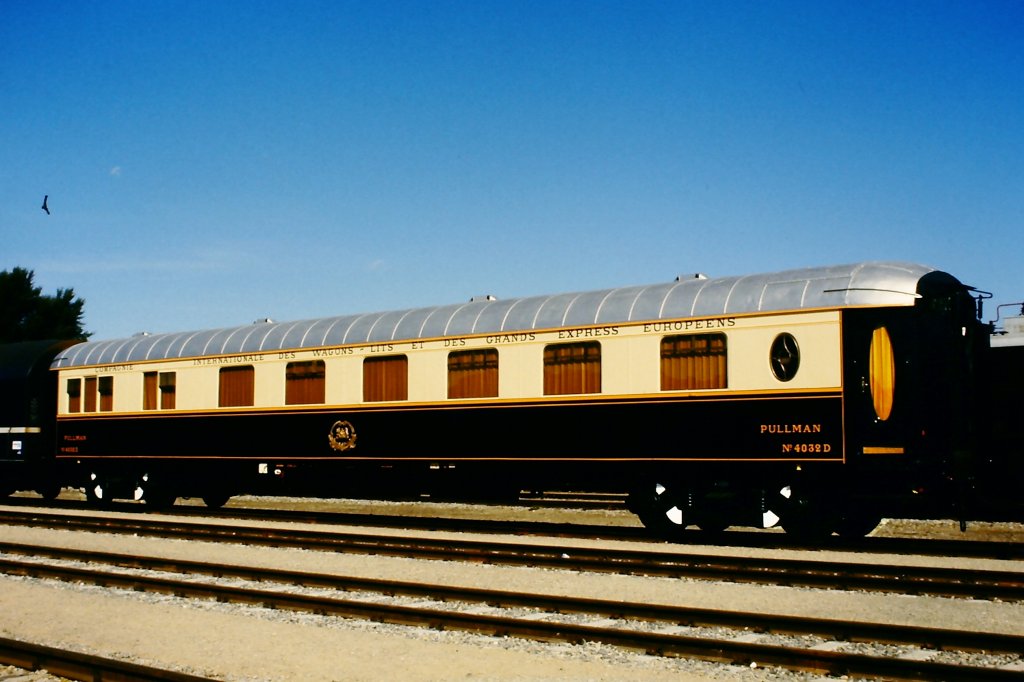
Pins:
<point x="342" y="436"/>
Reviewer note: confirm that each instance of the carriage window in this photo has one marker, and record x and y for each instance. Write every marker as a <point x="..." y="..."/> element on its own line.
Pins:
<point x="784" y="357"/>
<point x="882" y="372"/>
<point x="106" y="393"/>
<point x="305" y="383"/>
<point x="168" y="390"/>
<point x="158" y="389"/>
<point x="149" y="387"/>
<point x="90" y="394"/>
<point x="386" y="378"/>
<point x="74" y="395"/>
<point x="693" y="361"/>
<point x="237" y="386"/>
<point x="473" y="373"/>
<point x="572" y="368"/>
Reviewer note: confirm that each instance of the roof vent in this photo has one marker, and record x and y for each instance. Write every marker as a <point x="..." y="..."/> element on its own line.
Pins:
<point x="696" y="275"/>
<point x="481" y="299"/>
<point x="263" y="320"/>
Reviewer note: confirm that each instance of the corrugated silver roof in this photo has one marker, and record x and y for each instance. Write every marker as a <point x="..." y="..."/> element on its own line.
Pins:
<point x="872" y="283"/>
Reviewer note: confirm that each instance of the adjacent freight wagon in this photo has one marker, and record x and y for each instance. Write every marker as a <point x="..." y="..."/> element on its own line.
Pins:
<point x="821" y="398"/>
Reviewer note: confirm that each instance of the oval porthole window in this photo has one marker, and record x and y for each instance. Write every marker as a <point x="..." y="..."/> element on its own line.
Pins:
<point x="785" y="357"/>
<point x="882" y="372"/>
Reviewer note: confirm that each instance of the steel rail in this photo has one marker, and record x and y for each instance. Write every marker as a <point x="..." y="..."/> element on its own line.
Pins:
<point x="952" y="582"/>
<point x="979" y="549"/>
<point x="982" y="549"/>
<point x="735" y="650"/>
<point x="78" y="666"/>
<point x="933" y="638"/>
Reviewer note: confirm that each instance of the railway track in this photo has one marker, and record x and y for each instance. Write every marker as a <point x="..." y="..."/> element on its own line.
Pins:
<point x="652" y="628"/>
<point x="72" y="665"/>
<point x="902" y="579"/>
<point x="736" y="538"/>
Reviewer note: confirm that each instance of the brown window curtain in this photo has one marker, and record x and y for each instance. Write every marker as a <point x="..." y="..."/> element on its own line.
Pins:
<point x="149" y="387"/>
<point x="693" y="361"/>
<point x="168" y="390"/>
<point x="74" y="395"/>
<point x="106" y="390"/>
<point x="473" y="373"/>
<point x="572" y="368"/>
<point x="154" y="385"/>
<point x="237" y="386"/>
<point x="90" y="394"/>
<point x="386" y="378"/>
<point x="305" y="383"/>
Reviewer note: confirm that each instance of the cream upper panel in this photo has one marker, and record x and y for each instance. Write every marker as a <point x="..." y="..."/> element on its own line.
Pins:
<point x="630" y="362"/>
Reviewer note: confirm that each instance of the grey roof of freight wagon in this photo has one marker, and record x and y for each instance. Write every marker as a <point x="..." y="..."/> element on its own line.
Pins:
<point x="859" y="284"/>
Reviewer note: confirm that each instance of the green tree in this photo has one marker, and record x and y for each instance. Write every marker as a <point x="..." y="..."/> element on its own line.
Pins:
<point x="26" y="314"/>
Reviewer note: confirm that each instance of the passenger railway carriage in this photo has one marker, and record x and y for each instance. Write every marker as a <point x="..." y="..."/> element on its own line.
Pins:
<point x="28" y="402"/>
<point x="1001" y="472"/>
<point x="822" y="397"/>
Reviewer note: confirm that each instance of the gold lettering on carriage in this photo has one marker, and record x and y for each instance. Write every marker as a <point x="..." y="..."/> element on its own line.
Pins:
<point x="801" y="446"/>
<point x="113" y="368"/>
<point x="689" y="325"/>
<point x="587" y="332"/>
<point x="790" y="428"/>
<point x="511" y="338"/>
<point x="229" y="360"/>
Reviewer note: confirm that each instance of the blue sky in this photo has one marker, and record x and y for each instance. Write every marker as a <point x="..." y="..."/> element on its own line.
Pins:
<point x="211" y="163"/>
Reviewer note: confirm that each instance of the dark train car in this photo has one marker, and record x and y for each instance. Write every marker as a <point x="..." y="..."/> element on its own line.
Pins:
<point x="820" y="398"/>
<point x="28" y="409"/>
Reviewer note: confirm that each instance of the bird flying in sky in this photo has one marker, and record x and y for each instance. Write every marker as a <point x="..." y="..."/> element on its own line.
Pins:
<point x="44" y="204"/>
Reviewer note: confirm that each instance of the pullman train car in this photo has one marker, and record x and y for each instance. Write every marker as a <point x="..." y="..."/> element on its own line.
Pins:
<point x="820" y="398"/>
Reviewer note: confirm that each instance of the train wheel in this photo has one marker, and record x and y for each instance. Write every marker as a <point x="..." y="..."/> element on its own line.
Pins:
<point x="158" y="497"/>
<point x="49" y="491"/>
<point x="857" y="524"/>
<point x="155" y="493"/>
<point x="712" y="525"/>
<point x="804" y="516"/>
<point x="216" y="500"/>
<point x="807" y="528"/>
<point x="659" y="510"/>
<point x="96" y="491"/>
